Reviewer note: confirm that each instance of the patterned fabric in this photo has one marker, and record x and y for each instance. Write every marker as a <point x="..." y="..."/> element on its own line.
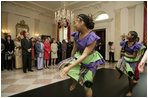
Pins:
<point x="128" y="65"/>
<point x="84" y="72"/>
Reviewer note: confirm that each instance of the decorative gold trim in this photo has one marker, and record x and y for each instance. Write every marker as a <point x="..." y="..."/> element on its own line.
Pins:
<point x="21" y="27"/>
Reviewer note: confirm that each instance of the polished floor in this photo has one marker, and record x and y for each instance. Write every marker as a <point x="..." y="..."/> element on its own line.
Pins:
<point x="16" y="83"/>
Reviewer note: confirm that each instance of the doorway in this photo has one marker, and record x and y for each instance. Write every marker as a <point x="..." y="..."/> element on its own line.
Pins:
<point x="102" y="34"/>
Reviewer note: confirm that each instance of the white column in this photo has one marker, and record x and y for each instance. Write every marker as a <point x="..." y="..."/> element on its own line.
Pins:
<point x="124" y="21"/>
<point x="131" y="18"/>
<point x="139" y="19"/>
<point x="117" y="34"/>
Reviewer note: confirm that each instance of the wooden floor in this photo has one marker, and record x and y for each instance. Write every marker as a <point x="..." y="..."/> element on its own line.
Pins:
<point x="105" y="84"/>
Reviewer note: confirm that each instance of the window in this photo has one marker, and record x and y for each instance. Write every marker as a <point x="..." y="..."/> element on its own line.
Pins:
<point x="63" y="34"/>
<point x="102" y="17"/>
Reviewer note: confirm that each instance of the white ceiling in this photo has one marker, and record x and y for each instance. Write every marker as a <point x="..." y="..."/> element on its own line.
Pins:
<point x="49" y="7"/>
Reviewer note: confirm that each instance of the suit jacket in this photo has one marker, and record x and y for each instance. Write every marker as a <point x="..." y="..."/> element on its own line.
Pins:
<point x="25" y="46"/>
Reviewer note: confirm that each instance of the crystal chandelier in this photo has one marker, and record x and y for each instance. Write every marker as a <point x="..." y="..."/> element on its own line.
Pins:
<point x="63" y="16"/>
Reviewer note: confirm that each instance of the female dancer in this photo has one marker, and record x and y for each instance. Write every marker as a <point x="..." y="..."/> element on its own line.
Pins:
<point x="130" y="57"/>
<point x="84" y="59"/>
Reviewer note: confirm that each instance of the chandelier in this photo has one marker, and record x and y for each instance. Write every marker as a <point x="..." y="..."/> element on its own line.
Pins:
<point x="63" y="16"/>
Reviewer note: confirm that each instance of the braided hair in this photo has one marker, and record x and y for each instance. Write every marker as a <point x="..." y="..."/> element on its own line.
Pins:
<point x="87" y="20"/>
<point x="134" y="33"/>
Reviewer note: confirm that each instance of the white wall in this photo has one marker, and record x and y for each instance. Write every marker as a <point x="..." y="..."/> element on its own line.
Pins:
<point x="36" y="22"/>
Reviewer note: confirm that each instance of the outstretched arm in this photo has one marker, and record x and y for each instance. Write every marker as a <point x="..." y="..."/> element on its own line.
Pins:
<point x="129" y="56"/>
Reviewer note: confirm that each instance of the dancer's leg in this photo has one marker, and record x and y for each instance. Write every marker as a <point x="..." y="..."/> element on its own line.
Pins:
<point x="120" y="72"/>
<point x="131" y="85"/>
<point x="88" y="92"/>
<point x="73" y="85"/>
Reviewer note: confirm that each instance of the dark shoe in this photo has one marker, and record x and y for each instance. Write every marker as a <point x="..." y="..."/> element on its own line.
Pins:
<point x="30" y="70"/>
<point x="24" y="71"/>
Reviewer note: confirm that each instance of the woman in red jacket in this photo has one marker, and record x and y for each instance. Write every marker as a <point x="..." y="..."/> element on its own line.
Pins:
<point x="47" y="50"/>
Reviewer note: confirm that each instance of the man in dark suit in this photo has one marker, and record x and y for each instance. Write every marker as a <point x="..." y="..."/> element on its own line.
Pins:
<point x="26" y="44"/>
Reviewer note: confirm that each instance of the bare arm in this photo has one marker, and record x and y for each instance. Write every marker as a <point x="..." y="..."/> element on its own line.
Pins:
<point x="85" y="53"/>
<point x="131" y="56"/>
<point x="144" y="57"/>
<point x="142" y="63"/>
<point x="74" y="49"/>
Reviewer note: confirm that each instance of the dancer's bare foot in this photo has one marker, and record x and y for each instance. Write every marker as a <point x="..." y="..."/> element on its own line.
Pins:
<point x="135" y="81"/>
<point x="129" y="94"/>
<point x="73" y="86"/>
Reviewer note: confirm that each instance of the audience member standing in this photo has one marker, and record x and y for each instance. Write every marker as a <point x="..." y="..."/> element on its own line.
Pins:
<point x="69" y="48"/>
<point x="35" y="57"/>
<point x="54" y="49"/>
<point x="9" y="51"/>
<point x="47" y="50"/>
<point x="18" y="52"/>
<point x="111" y="52"/>
<point x="49" y="39"/>
<point x="59" y="51"/>
<point x="26" y="52"/>
<point x="33" y="51"/>
<point x="40" y="53"/>
<point x="3" y="46"/>
<point x="64" y="48"/>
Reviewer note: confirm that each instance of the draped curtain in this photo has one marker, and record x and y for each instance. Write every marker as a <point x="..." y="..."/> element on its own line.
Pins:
<point x="145" y="24"/>
<point x="68" y="32"/>
<point x="57" y="33"/>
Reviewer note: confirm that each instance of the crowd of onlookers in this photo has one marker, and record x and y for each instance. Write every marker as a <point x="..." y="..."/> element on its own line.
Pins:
<point x="24" y="52"/>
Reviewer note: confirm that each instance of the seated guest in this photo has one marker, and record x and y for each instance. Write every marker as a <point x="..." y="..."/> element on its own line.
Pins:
<point x="40" y="53"/>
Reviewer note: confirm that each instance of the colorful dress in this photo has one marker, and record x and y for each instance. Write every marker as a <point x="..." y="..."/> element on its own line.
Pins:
<point x="128" y="65"/>
<point x="46" y="50"/>
<point x="40" y="55"/>
<point x="18" y="54"/>
<point x="84" y="71"/>
<point x="33" y="50"/>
